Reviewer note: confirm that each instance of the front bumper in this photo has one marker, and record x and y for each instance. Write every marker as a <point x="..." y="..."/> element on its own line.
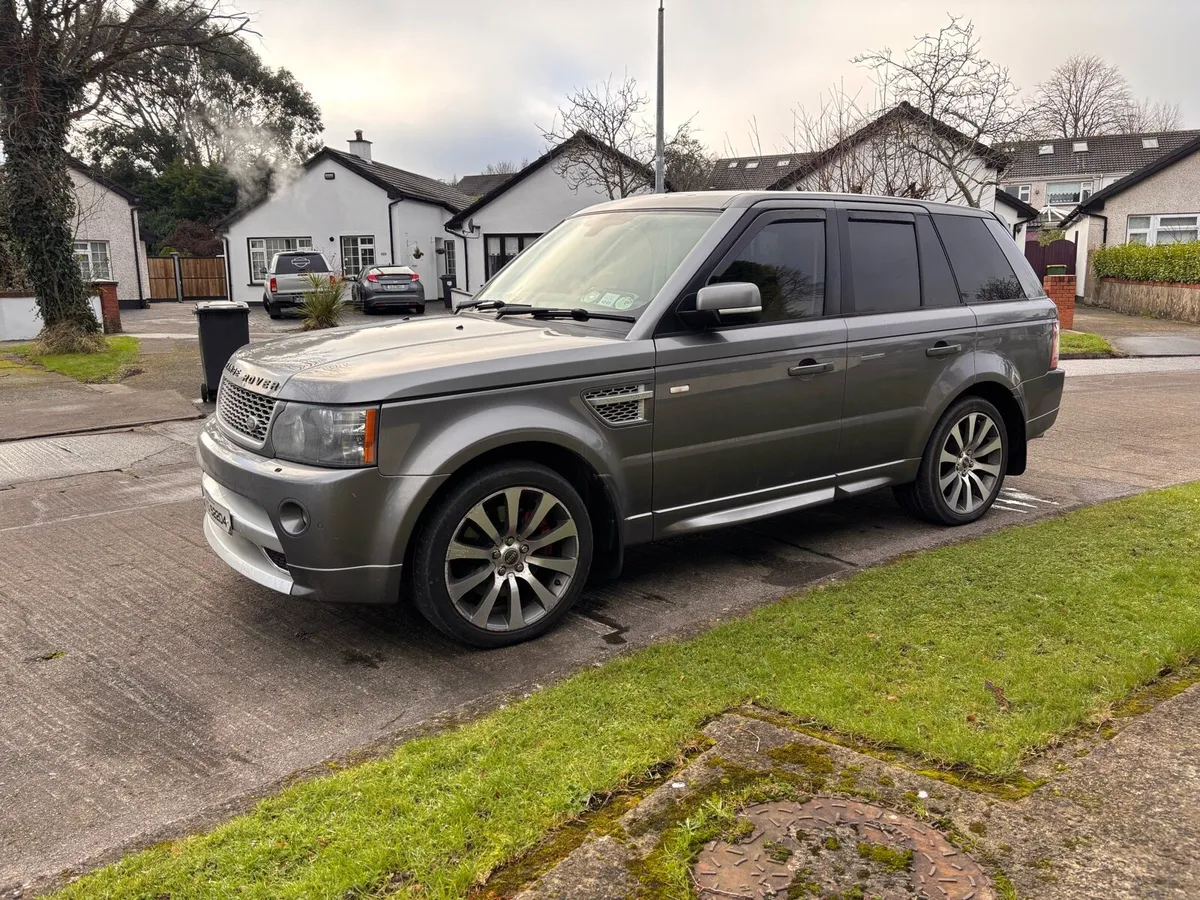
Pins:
<point x="359" y="522"/>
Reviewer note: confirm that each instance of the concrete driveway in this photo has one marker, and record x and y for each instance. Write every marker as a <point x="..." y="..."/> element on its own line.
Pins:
<point x="148" y="689"/>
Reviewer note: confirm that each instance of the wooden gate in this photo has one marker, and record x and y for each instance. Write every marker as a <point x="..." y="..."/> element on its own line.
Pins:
<point x="1056" y="253"/>
<point x="162" y="277"/>
<point x="201" y="278"/>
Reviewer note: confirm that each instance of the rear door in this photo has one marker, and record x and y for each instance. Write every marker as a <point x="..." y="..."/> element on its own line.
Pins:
<point x="291" y="271"/>
<point x="909" y="341"/>
<point x="746" y="417"/>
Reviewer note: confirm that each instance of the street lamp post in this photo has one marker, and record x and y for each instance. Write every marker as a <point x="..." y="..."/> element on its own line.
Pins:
<point x="659" y="178"/>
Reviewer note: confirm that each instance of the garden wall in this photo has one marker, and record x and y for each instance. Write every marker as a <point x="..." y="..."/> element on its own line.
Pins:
<point x="20" y="319"/>
<point x="1160" y="299"/>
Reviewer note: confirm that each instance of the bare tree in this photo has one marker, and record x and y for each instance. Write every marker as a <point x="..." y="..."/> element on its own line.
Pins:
<point x="58" y="60"/>
<point x="686" y="161"/>
<point x="617" y="154"/>
<point x="1083" y="96"/>
<point x="861" y="149"/>
<point x="614" y="116"/>
<point x="1142" y="116"/>
<point x="504" y="167"/>
<point x="944" y="76"/>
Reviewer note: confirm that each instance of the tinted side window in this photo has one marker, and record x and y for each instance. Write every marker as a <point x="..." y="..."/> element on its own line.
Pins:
<point x="883" y="266"/>
<point x="979" y="265"/>
<point x="1025" y="274"/>
<point x="787" y="262"/>
<point x="937" y="281"/>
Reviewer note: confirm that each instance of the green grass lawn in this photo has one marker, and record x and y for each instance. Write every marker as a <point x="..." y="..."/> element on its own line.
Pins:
<point x="87" y="367"/>
<point x="1065" y="616"/>
<point x="1081" y="342"/>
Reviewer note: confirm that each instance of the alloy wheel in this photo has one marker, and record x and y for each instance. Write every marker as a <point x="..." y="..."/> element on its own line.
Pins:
<point x="512" y="558"/>
<point x="970" y="461"/>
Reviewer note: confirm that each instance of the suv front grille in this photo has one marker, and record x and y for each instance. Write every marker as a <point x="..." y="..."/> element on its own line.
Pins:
<point x="620" y="405"/>
<point x="243" y="411"/>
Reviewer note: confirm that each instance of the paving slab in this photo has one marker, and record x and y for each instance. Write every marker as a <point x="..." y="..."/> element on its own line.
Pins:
<point x="183" y="691"/>
<point x="42" y="413"/>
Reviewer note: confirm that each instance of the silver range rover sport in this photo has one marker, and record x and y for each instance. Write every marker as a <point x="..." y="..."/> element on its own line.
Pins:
<point x="650" y="367"/>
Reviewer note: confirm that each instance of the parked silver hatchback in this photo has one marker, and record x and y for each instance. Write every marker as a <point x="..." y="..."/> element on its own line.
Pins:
<point x="651" y="367"/>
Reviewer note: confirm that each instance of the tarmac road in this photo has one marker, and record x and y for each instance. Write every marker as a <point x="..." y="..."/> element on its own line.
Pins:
<point x="148" y="689"/>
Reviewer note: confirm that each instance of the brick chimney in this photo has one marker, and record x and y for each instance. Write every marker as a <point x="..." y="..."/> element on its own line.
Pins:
<point x="360" y="147"/>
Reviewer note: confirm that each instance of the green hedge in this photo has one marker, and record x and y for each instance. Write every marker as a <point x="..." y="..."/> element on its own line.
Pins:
<point x="1178" y="263"/>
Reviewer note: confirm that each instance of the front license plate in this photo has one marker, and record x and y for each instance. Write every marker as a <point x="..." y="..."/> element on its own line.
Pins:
<point x="221" y="517"/>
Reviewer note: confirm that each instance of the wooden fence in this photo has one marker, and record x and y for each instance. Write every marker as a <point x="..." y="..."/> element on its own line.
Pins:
<point x="201" y="278"/>
<point x="1056" y="253"/>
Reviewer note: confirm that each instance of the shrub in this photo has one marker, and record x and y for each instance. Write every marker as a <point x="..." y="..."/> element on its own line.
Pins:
<point x="324" y="302"/>
<point x="1047" y="236"/>
<point x="1176" y="263"/>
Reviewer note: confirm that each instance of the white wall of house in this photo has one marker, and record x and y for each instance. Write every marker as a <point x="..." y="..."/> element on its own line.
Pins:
<point x="1011" y="218"/>
<point x="326" y="210"/>
<point x="533" y="206"/>
<point x="104" y="216"/>
<point x="418" y="226"/>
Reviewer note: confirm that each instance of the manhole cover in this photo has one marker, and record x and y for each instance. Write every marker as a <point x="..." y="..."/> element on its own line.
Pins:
<point x="829" y="846"/>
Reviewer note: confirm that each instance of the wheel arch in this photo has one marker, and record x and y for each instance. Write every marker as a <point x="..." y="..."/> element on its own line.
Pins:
<point x="599" y="493"/>
<point x="1009" y="405"/>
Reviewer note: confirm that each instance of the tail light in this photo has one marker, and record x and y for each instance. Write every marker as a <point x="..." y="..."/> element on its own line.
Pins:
<point x="273" y="285"/>
<point x="416" y="277"/>
<point x="373" y="278"/>
<point x="1054" y="346"/>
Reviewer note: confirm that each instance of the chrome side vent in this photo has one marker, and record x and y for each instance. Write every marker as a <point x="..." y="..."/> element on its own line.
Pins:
<point x="624" y="405"/>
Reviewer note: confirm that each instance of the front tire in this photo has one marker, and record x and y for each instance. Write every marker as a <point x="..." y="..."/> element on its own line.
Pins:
<point x="963" y="467"/>
<point x="503" y="556"/>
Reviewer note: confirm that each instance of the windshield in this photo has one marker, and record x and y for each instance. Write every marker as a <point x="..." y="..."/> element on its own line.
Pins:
<point x="609" y="262"/>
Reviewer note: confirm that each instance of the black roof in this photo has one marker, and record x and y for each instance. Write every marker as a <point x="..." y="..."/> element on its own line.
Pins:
<point x="753" y="173"/>
<point x="398" y="183"/>
<point x="478" y="185"/>
<point x="1095" y="203"/>
<point x="549" y="156"/>
<point x="1105" y="153"/>
<point x="1023" y="209"/>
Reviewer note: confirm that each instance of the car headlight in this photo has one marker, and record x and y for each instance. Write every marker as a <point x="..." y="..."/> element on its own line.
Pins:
<point x="326" y="435"/>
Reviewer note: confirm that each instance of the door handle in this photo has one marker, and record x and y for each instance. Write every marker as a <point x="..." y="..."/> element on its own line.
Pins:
<point x="939" y="350"/>
<point x="810" y="367"/>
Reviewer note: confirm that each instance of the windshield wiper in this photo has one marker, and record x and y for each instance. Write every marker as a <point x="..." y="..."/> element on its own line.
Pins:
<point x="578" y="313"/>
<point x="489" y="304"/>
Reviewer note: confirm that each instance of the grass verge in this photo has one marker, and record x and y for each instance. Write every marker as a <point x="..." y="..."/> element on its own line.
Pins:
<point x="1059" y="618"/>
<point x="1083" y="343"/>
<point x="87" y="367"/>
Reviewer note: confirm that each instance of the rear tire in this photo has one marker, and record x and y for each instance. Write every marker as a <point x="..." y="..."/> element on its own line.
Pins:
<point x="963" y="467"/>
<point x="512" y="526"/>
<point x="274" y="311"/>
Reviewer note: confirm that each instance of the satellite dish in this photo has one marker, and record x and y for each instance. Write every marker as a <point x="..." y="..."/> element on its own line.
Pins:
<point x="471" y="225"/>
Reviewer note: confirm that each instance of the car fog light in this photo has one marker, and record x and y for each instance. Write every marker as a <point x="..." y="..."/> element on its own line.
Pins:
<point x="293" y="517"/>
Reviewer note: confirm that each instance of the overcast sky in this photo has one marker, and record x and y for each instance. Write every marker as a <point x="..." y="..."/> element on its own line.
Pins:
<point x="443" y="87"/>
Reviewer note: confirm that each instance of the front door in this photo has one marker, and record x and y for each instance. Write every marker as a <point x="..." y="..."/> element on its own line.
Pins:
<point x="746" y="417"/>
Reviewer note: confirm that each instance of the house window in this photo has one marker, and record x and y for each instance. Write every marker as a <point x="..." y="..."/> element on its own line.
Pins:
<point x="1063" y="193"/>
<point x="502" y="248"/>
<point x="358" y="252"/>
<point x="1163" y="229"/>
<point x="451" y="259"/>
<point x="262" y="250"/>
<point x="753" y="164"/>
<point x="1079" y="147"/>
<point x="92" y="257"/>
<point x="1020" y="191"/>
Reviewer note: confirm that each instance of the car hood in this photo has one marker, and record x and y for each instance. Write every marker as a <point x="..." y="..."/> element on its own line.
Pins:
<point x="426" y="357"/>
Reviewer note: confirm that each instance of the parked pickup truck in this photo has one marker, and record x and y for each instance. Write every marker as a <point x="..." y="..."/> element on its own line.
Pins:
<point x="287" y="279"/>
<point x="650" y="367"/>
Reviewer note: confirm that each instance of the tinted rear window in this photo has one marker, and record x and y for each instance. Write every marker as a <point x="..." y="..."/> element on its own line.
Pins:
<point x="1025" y="274"/>
<point x="979" y="264"/>
<point x="300" y="264"/>
<point x="883" y="265"/>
